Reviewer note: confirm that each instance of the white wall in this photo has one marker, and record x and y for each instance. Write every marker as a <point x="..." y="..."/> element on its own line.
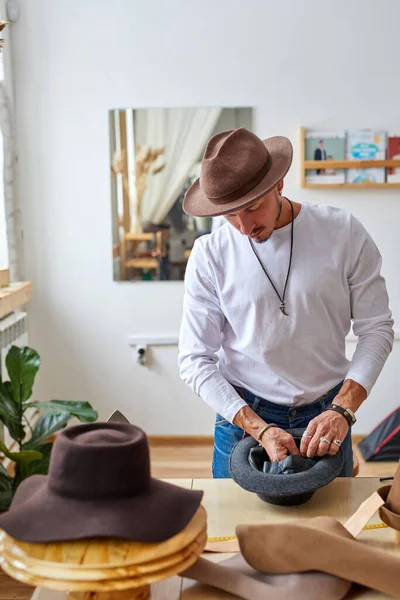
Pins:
<point x="325" y="65"/>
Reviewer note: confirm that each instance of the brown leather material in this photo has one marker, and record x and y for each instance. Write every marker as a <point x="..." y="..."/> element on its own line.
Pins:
<point x="321" y="544"/>
<point x="237" y="169"/>
<point x="390" y="512"/>
<point x="237" y="577"/>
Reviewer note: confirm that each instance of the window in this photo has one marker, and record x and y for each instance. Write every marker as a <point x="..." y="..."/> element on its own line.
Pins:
<point x="4" y="261"/>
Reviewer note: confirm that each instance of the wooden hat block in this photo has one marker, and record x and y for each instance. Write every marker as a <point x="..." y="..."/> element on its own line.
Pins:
<point x="104" y="569"/>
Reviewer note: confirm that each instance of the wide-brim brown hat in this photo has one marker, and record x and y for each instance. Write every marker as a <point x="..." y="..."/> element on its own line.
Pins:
<point x="237" y="169"/>
<point x="99" y="485"/>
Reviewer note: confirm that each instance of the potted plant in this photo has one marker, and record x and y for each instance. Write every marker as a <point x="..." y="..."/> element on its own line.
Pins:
<point x="32" y="455"/>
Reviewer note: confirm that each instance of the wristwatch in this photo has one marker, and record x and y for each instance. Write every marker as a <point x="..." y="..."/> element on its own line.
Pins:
<point x="346" y="412"/>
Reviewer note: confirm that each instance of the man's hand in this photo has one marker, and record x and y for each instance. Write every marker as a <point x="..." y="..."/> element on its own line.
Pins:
<point x="278" y="444"/>
<point x="330" y="425"/>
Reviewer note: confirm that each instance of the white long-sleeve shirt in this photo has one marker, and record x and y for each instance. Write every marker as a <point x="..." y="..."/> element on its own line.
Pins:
<point x="233" y="332"/>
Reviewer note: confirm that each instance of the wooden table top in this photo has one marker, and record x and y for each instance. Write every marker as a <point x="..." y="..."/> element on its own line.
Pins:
<point x="228" y="505"/>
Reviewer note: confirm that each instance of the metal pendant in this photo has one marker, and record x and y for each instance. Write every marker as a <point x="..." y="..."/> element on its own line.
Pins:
<point x="282" y="309"/>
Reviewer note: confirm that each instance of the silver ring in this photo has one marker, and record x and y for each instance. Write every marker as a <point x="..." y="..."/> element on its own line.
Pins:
<point x="306" y="434"/>
<point x="324" y="439"/>
<point x="337" y="442"/>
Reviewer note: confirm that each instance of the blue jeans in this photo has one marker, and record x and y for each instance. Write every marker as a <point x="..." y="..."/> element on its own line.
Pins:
<point x="286" y="417"/>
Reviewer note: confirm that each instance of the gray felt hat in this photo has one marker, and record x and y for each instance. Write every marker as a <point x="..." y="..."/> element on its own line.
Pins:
<point x="287" y="482"/>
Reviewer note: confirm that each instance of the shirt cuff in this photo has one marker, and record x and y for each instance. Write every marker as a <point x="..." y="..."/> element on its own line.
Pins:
<point x="366" y="383"/>
<point x="234" y="409"/>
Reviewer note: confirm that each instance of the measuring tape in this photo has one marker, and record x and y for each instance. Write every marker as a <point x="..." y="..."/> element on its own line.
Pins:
<point x="377" y="526"/>
<point x="229" y="538"/>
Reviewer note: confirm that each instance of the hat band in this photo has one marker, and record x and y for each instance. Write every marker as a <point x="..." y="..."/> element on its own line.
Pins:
<point x="247" y="187"/>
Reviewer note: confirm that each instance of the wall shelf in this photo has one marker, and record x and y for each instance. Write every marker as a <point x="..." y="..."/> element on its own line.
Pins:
<point x="306" y="165"/>
<point x="14" y="296"/>
<point x="371" y="186"/>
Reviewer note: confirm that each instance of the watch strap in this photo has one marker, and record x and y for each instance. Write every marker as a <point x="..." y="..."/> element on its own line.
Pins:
<point x="348" y="414"/>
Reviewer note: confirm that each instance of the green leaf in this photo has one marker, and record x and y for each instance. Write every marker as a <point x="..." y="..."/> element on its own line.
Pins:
<point x="38" y="467"/>
<point x="22" y="365"/>
<point x="6" y="489"/>
<point x="5" y="479"/>
<point x="5" y="500"/>
<point x="3" y="470"/>
<point x="81" y="410"/>
<point x="24" y="457"/>
<point x="9" y="390"/>
<point x="16" y="431"/>
<point x="9" y="412"/>
<point x="7" y="405"/>
<point x="5" y="412"/>
<point x="46" y="427"/>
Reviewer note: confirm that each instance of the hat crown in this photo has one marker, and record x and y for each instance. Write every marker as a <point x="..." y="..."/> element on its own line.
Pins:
<point x="100" y="460"/>
<point x="232" y="159"/>
<point x="393" y="499"/>
<point x="293" y="487"/>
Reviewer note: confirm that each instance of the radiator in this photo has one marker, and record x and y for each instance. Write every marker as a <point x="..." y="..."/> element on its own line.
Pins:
<point x="13" y="332"/>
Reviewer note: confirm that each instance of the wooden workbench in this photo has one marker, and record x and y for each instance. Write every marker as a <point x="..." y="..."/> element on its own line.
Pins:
<point x="228" y="505"/>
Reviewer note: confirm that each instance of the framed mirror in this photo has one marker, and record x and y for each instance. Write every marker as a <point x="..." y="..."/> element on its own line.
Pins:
<point x="155" y="156"/>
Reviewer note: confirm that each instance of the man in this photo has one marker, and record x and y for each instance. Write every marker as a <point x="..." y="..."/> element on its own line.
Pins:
<point x="269" y="300"/>
<point x="320" y="154"/>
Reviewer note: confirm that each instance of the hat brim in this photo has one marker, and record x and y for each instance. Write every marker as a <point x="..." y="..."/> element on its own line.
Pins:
<point x="38" y="515"/>
<point x="197" y="204"/>
<point x="281" y="487"/>
<point x="387" y="515"/>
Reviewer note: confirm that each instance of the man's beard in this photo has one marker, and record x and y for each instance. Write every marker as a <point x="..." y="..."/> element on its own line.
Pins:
<point x="279" y="203"/>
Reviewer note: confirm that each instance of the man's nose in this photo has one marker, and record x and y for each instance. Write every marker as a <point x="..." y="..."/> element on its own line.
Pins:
<point x="246" y="225"/>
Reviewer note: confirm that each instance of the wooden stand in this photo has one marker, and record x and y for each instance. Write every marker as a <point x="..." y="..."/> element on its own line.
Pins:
<point x="104" y="569"/>
<point x="132" y="259"/>
<point x="306" y="165"/>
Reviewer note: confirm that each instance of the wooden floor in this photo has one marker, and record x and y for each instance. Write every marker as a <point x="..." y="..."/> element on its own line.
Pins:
<point x="194" y="460"/>
<point x="173" y="460"/>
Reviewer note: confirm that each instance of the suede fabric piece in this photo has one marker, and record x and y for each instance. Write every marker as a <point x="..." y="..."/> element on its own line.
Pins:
<point x="321" y="544"/>
<point x="234" y="575"/>
<point x="293" y="487"/>
<point x="390" y="512"/>
<point x="99" y="485"/>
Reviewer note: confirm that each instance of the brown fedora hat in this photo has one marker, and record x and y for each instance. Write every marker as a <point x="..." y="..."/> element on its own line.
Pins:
<point x="237" y="169"/>
<point x="99" y="485"/>
<point x="390" y="512"/>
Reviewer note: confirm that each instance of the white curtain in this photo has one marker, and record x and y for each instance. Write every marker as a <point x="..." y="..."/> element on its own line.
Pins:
<point x="184" y="133"/>
<point x="4" y="260"/>
<point x="10" y="211"/>
<point x="10" y="214"/>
